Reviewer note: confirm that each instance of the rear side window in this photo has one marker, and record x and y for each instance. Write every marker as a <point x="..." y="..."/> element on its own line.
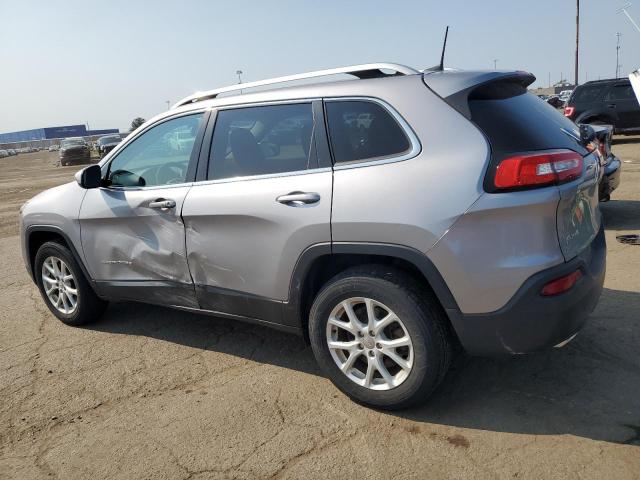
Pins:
<point x="588" y="94"/>
<point x="361" y="130"/>
<point x="516" y="121"/>
<point x="262" y="140"/>
<point x="620" y="92"/>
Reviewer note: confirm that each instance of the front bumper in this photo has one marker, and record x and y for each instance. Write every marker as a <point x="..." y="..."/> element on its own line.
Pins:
<point x="530" y="322"/>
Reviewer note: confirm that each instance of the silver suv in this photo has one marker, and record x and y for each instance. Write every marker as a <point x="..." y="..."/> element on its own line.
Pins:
<point x="388" y="219"/>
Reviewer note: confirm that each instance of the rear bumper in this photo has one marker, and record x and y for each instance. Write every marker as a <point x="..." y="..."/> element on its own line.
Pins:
<point x="610" y="179"/>
<point x="531" y="322"/>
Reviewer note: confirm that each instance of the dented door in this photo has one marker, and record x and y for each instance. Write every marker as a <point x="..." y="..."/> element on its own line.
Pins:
<point x="136" y="246"/>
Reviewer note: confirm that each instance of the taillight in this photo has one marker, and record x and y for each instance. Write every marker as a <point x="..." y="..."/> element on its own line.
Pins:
<point x="568" y="111"/>
<point x="538" y="169"/>
<point x="562" y="284"/>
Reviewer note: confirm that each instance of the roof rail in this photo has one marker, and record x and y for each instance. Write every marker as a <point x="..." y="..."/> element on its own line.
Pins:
<point x="369" y="70"/>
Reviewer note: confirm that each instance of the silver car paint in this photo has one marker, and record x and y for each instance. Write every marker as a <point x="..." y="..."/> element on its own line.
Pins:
<point x="57" y="207"/>
<point x="496" y="245"/>
<point x="239" y="237"/>
<point x="412" y="202"/>
<point x="484" y="255"/>
<point x="124" y="239"/>
<point x="579" y="216"/>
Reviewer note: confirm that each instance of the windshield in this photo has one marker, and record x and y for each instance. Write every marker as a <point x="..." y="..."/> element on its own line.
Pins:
<point x="111" y="139"/>
<point x="72" y="142"/>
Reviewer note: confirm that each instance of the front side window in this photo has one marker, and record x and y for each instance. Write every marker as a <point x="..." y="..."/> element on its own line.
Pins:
<point x="262" y="140"/>
<point x="362" y="130"/>
<point x="160" y="156"/>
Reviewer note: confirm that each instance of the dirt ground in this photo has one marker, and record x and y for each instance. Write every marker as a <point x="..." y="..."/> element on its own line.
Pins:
<point x="154" y="393"/>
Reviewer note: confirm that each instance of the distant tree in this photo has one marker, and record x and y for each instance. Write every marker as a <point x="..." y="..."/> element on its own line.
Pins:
<point x="136" y="123"/>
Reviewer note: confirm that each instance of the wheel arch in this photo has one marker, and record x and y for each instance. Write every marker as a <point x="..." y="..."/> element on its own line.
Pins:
<point x="38" y="235"/>
<point x="321" y="262"/>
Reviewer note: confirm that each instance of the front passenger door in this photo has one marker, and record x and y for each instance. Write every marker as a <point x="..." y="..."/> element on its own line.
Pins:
<point x="131" y="228"/>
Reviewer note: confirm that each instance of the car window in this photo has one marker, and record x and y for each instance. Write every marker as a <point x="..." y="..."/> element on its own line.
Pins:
<point x="361" y="130"/>
<point x="262" y="140"/>
<point x="160" y="156"/>
<point x="620" y="92"/>
<point x="587" y="94"/>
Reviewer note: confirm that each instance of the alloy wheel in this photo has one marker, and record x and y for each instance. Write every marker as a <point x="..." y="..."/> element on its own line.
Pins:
<point x="369" y="343"/>
<point x="59" y="285"/>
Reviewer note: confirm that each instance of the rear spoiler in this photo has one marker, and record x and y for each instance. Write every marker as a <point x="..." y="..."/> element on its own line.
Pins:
<point x="454" y="87"/>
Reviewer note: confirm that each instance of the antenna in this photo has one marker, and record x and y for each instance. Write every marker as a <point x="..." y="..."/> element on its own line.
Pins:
<point x="444" y="47"/>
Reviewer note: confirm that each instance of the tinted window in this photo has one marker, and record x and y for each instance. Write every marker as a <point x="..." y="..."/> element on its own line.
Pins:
<point x="160" y="156"/>
<point x="587" y="94"/>
<point x="621" y="92"/>
<point x="360" y="130"/>
<point x="516" y="121"/>
<point x="262" y="140"/>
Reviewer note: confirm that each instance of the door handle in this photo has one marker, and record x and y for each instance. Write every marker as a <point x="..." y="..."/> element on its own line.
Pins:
<point x="298" y="199"/>
<point x="612" y="105"/>
<point x="162" y="204"/>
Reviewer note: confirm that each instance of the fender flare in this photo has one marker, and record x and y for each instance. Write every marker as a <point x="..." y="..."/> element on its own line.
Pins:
<point x="411" y="255"/>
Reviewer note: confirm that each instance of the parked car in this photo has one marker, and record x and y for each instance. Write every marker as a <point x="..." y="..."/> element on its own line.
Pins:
<point x="12" y="152"/>
<point x="564" y="95"/>
<point x="612" y="165"/>
<point x="74" y="149"/>
<point x="107" y="143"/>
<point x="465" y="213"/>
<point x="53" y="148"/>
<point x="606" y="102"/>
<point x="555" y="101"/>
<point x="4" y="154"/>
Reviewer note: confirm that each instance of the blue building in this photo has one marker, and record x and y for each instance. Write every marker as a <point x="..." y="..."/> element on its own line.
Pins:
<point x="49" y="133"/>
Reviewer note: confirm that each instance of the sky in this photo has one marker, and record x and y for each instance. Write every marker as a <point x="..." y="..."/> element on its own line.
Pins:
<point x="104" y="63"/>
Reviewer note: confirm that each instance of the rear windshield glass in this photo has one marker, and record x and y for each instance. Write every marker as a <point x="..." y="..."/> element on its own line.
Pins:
<point x="586" y="94"/>
<point x="516" y="121"/>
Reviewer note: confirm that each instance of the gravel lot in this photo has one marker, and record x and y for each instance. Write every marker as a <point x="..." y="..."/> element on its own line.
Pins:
<point x="153" y="393"/>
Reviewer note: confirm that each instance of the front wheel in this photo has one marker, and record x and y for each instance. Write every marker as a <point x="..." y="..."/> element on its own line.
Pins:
<point x="379" y="337"/>
<point x="63" y="286"/>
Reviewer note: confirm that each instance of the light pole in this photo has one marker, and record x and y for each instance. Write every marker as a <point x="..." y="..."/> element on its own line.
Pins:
<point x="618" y="35"/>
<point x="239" y="73"/>
<point x="577" y="39"/>
<point x="168" y="102"/>
<point x="495" y="63"/>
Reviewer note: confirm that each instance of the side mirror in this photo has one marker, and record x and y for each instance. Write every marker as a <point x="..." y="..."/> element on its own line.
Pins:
<point x="89" y="177"/>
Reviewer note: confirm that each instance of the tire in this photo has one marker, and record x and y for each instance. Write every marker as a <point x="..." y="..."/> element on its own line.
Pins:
<point x="421" y="319"/>
<point x="88" y="306"/>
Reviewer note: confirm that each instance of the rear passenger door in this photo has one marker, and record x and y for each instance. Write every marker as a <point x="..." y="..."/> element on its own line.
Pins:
<point x="622" y="99"/>
<point x="263" y="197"/>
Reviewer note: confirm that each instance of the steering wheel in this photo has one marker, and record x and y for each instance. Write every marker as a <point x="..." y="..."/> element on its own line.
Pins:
<point x="169" y="173"/>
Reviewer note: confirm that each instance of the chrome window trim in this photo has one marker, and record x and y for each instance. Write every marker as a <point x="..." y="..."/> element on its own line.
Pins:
<point x="415" y="146"/>
<point x="261" y="177"/>
<point x="266" y="103"/>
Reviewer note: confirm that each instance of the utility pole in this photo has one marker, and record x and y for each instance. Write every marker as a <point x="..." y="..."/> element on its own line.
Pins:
<point x="168" y="102"/>
<point x="618" y="34"/>
<point x="495" y="63"/>
<point x="577" y="39"/>
<point x="549" y="79"/>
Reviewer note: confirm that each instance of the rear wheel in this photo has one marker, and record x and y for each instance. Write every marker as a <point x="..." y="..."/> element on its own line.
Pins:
<point x="64" y="288"/>
<point x="379" y="338"/>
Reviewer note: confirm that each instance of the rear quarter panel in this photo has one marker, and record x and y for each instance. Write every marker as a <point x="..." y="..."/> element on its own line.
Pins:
<point x="412" y="202"/>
